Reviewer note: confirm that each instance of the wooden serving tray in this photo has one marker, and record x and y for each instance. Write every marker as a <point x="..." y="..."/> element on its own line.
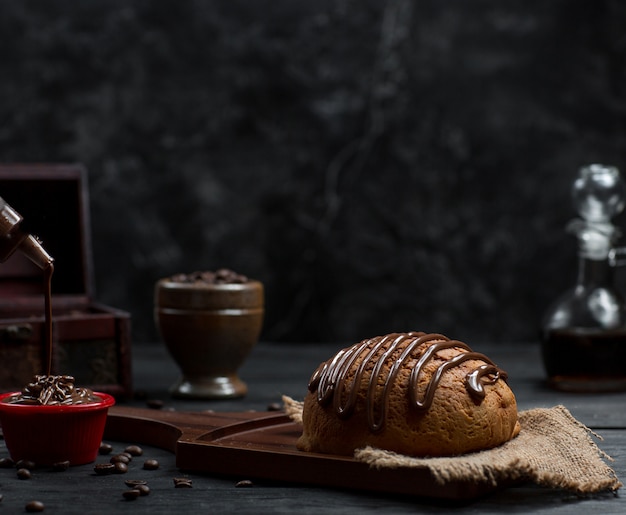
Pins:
<point x="255" y="445"/>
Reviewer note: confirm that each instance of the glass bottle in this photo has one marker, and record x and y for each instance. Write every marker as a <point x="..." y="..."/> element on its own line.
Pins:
<point x="12" y="238"/>
<point x="583" y="337"/>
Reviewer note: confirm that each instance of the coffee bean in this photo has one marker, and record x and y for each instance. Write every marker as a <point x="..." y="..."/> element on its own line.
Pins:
<point x="25" y="464"/>
<point x="103" y="469"/>
<point x="143" y="489"/>
<point x="120" y="458"/>
<point x="151" y="464"/>
<point x="274" y="406"/>
<point x="132" y="483"/>
<point x="244" y="483"/>
<point x="127" y="454"/>
<point x="7" y="463"/>
<point x="182" y="482"/>
<point x="60" y="466"/>
<point x="24" y="474"/>
<point x="34" y="506"/>
<point x="155" y="403"/>
<point x="105" y="448"/>
<point x="131" y="495"/>
<point x="120" y="468"/>
<point x="0" y="497"/>
<point x="134" y="450"/>
<point x="221" y="276"/>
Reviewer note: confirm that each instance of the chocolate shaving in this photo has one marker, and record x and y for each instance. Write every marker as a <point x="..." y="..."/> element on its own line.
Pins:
<point x="53" y="391"/>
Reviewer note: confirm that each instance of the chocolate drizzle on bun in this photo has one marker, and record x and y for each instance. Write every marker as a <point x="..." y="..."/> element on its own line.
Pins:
<point x="408" y="387"/>
<point x="330" y="378"/>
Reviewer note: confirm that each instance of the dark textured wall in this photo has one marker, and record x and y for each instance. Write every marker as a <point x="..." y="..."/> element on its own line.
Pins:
<point x="378" y="165"/>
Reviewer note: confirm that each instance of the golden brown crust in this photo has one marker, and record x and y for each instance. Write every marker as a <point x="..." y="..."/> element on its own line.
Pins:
<point x="456" y="422"/>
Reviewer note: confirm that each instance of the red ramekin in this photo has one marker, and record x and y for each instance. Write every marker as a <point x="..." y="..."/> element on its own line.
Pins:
<point x="47" y="435"/>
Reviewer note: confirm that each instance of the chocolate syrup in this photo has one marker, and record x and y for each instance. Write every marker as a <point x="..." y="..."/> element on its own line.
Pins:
<point x="331" y="379"/>
<point x="48" y="389"/>
<point x="585" y="359"/>
<point x="48" y="271"/>
<point x="14" y="238"/>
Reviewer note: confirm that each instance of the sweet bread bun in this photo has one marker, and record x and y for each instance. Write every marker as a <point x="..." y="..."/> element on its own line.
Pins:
<point x="413" y="393"/>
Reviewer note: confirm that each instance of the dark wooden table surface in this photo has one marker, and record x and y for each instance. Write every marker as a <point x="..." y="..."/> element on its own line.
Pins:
<point x="271" y="371"/>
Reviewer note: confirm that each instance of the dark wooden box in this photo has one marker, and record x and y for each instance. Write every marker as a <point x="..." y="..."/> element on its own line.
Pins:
<point x="90" y="341"/>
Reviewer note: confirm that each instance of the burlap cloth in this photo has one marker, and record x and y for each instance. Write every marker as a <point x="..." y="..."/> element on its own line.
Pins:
<point x="553" y="450"/>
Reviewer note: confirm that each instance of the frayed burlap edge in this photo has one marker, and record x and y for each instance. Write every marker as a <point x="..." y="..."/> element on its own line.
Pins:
<point x="553" y="450"/>
<point x="293" y="409"/>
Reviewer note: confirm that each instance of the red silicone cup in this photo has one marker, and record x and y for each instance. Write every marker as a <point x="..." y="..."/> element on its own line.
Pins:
<point x="47" y="435"/>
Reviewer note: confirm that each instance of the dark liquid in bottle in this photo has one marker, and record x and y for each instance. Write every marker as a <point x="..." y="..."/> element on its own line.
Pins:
<point x="585" y="360"/>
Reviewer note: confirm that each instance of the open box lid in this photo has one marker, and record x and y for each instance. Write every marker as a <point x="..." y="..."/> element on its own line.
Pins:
<point x="54" y="203"/>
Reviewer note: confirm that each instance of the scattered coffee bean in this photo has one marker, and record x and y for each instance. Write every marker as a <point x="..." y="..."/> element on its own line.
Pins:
<point x="155" y="403"/>
<point x="274" y="406"/>
<point x="131" y="495"/>
<point x="103" y="469"/>
<point x="120" y="468"/>
<point x="7" y="463"/>
<point x="143" y="489"/>
<point x="120" y="458"/>
<point x="105" y="448"/>
<point x="25" y="464"/>
<point x="151" y="464"/>
<point x="182" y="482"/>
<point x="60" y="466"/>
<point x="24" y="474"/>
<point x="127" y="454"/>
<point x="132" y="483"/>
<point x="0" y="497"/>
<point x="134" y="450"/>
<point x="34" y="506"/>
<point x="244" y="483"/>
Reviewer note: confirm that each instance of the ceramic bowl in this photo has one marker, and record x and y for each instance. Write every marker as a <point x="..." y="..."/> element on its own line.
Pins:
<point x="209" y="330"/>
<point x="52" y="434"/>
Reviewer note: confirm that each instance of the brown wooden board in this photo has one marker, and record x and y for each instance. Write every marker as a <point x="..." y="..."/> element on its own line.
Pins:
<point x="254" y="445"/>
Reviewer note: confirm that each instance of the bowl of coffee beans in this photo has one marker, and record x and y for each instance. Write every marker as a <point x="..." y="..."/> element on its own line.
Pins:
<point x="209" y="321"/>
<point x="51" y="421"/>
